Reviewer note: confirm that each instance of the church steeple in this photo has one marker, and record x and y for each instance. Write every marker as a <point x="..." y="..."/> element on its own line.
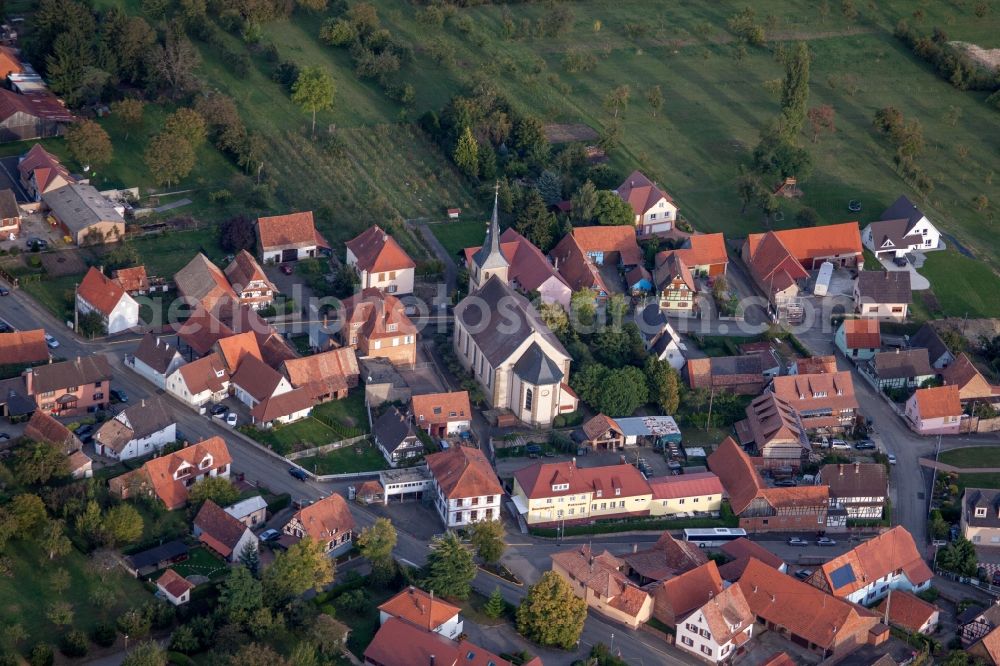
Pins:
<point x="489" y="259"/>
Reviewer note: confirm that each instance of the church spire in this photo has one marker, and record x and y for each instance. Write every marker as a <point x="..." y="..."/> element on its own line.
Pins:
<point x="489" y="255"/>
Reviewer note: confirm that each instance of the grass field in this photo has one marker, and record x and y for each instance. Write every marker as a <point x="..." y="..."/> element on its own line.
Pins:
<point x="346" y="460"/>
<point x="456" y="236"/>
<point x="963" y="286"/>
<point x="973" y="456"/>
<point x="350" y="412"/>
<point x="200" y="562"/>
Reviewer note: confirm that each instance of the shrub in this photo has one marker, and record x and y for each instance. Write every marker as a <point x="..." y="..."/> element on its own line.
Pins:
<point x="74" y="644"/>
<point x="104" y="634"/>
<point x="41" y="655"/>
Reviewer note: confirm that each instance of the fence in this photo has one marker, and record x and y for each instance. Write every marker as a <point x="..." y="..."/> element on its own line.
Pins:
<point x="325" y="448"/>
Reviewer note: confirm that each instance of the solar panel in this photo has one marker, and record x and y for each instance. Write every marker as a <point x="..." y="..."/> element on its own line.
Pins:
<point x="842" y="576"/>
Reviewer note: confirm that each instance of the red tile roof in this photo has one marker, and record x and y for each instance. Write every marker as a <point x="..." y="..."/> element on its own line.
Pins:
<point x="907" y="610"/>
<point x="399" y="643"/>
<point x="376" y="311"/>
<point x="938" y="402"/>
<point x="420" y="608"/>
<point x="244" y="269"/>
<point x="700" y="250"/>
<point x="378" y="252"/>
<point x="257" y="378"/>
<point x="101" y="292"/>
<point x="576" y="269"/>
<point x="728" y="615"/>
<point x="873" y="559"/>
<point x="202" y="330"/>
<point x="537" y="480"/>
<point x="597" y="426"/>
<point x="773" y="265"/>
<point x="610" y="239"/>
<point x="803" y="392"/>
<point x="23" y="347"/>
<point x="219" y="531"/>
<point x="44" y="165"/>
<point x="677" y="597"/>
<point x="862" y="333"/>
<point x="431" y="408"/>
<point x="160" y="471"/>
<point x="174" y="583"/>
<point x="42" y="105"/>
<point x="291" y="230"/>
<point x="808" y="242"/>
<point x="641" y="193"/>
<point x="132" y="279"/>
<point x="737" y="473"/>
<point x="236" y="348"/>
<point x="44" y="428"/>
<point x="325" y="373"/>
<point x="201" y="282"/>
<point x="740" y="551"/>
<point x="328" y="517"/>
<point x="668" y="557"/>
<point x="970" y="381"/>
<point x="815" y="365"/>
<point x="672" y="268"/>
<point x="283" y="404"/>
<point x="603" y="575"/>
<point x="528" y="265"/>
<point x="9" y="62"/>
<point x="205" y="374"/>
<point x="699" y="484"/>
<point x="463" y="472"/>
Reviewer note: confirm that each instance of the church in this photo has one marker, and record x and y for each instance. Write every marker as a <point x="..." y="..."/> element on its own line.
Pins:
<point x="501" y="339"/>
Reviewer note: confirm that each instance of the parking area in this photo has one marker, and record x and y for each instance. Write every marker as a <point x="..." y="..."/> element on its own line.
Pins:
<point x="418" y="518"/>
<point x="34" y="225"/>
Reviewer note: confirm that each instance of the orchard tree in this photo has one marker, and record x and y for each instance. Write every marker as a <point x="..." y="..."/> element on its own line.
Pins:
<point x="450" y="567"/>
<point x="376" y="544"/>
<point x="488" y="538"/>
<point x="616" y="101"/>
<point x="584" y="202"/>
<point x="219" y="489"/>
<point x="59" y="613"/>
<point x="130" y="112"/>
<point x="26" y="512"/>
<point x="122" y="524"/>
<point x="304" y="566"/>
<point x="147" y="653"/>
<point x="88" y="143"/>
<point x="551" y="614"/>
<point x="821" y="118"/>
<point x="37" y="462"/>
<point x="655" y="98"/>
<point x="54" y="540"/>
<point x="612" y="210"/>
<point x="169" y="159"/>
<point x="188" y="125"/>
<point x="313" y="91"/>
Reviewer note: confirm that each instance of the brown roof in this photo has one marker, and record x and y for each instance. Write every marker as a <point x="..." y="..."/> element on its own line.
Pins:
<point x="44" y="165"/>
<point x="44" y="428"/>
<point x="376" y="311"/>
<point x="801" y="608"/>
<point x="202" y="330"/>
<point x="907" y="610"/>
<point x="884" y="286"/>
<point x="174" y="583"/>
<point x="328" y="517"/>
<point x="324" y="373"/>
<point x="243" y="270"/>
<point x="537" y="480"/>
<point x="528" y="265"/>
<point x="101" y="292"/>
<point x="779" y="659"/>
<point x="607" y="239"/>
<point x="727" y="614"/>
<point x="600" y="573"/>
<point x="77" y="372"/>
<point x="160" y="471"/>
<point x="463" y="472"/>
<point x="700" y="250"/>
<point x="377" y="252"/>
<point x="236" y="348"/>
<point x="988" y="646"/>
<point x="802" y="392"/>
<point x="902" y="364"/>
<point x="869" y="561"/>
<point x="673" y="268"/>
<point x="291" y="230"/>
<point x="970" y="381"/>
<point x="220" y="531"/>
<point x="257" y="378"/>
<point x="742" y="549"/>
<point x="43" y="105"/>
<point x="420" y="608"/>
<point x="773" y="420"/>
<point x="855" y="479"/>
<point x="204" y="283"/>
<point x="773" y="265"/>
<point x="681" y="595"/>
<point x="808" y="242"/>
<point x="938" y="402"/>
<point x="20" y="347"/>
<point x="274" y="349"/>
<point x="205" y="374"/>
<point x="741" y="481"/>
<point x="640" y="192"/>
<point x="9" y="62"/>
<point x="815" y="365"/>
<point x="441" y="407"/>
<point x="155" y="353"/>
<point x="142" y="419"/>
<point x="283" y="404"/>
<point x="597" y="426"/>
<point x="698" y="484"/>
<point x="862" y="333"/>
<point x="132" y="279"/>
<point x="576" y="269"/>
<point x="668" y="557"/>
<point x="399" y="643"/>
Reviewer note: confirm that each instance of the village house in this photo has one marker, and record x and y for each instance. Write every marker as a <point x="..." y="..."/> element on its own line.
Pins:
<point x="251" y="512"/>
<point x="667" y="558"/>
<point x="290" y="237"/>
<point x="98" y="293"/>
<point x="423" y="647"/>
<point x="883" y="294"/>
<point x="809" y="617"/>
<point x="907" y="368"/>
<point x="719" y="630"/>
<point x="529" y="269"/>
<point x="972" y="385"/>
<point x="375" y="324"/>
<point x="824" y="401"/>
<point x="977" y="624"/>
<point x="170" y="476"/>
<point x="655" y="212"/>
<point x="901" y="229"/>
<point x="423" y="610"/>
<point x="764" y="509"/>
<point x="70" y="388"/>
<point x="740" y="551"/>
<point x="41" y="172"/>
<point x="867" y="573"/>
<point x="676" y="287"/>
<point x="222" y="534"/>
<point x="43" y="428"/>
<point x="659" y="337"/>
<point x="639" y="281"/>
<point x="981" y="517"/>
<point x="859" y="488"/>
<point x="249" y="282"/>
<point x="327" y="521"/>
<point x="677" y="597"/>
<point x="938" y="353"/>
<point x="134" y="281"/>
<point x="608" y="245"/>
<point x="155" y="359"/>
<point x="442" y="414"/>
<point x="380" y="262"/>
<point x="840" y="244"/>
<point x="236" y="348"/>
<point x="10" y="215"/>
<point x="145" y="427"/>
<point x="812" y="365"/>
<point x="84" y="214"/>
<point x="203" y="283"/>
<point x="325" y="376"/>
<point x="254" y="381"/>
<point x="198" y="333"/>
<point x="200" y="382"/>
<point x="771" y="362"/>
<point x="32" y="116"/>
<point x="704" y="254"/>
<point x="395" y="437"/>
<point x="742" y="375"/>
<point x="174" y="588"/>
<point x="935" y="411"/>
<point x="561" y="492"/>
<point x="575" y="269"/>
<point x="911" y="613"/>
<point x="858" y="339"/>
<point x="23" y="348"/>
<point x="598" y="580"/>
<point x="282" y="408"/>
<point x="274" y="348"/>
<point x="600" y="432"/>
<point x="987" y="649"/>
<point x="465" y="488"/>
<point x="698" y="493"/>
<point x="777" y="272"/>
<point x="774" y="431"/>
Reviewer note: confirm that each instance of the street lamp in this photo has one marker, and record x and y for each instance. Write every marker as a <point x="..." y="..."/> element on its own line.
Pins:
<point x="612" y="643"/>
<point x="126" y="642"/>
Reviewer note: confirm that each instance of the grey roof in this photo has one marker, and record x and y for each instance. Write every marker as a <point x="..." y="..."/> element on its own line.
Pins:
<point x="534" y="367"/>
<point x="76" y="372"/>
<point x="392" y="429"/>
<point x="8" y="205"/>
<point x="14" y="395"/>
<point x="738" y="365"/>
<point x="896" y="231"/>
<point x="928" y="338"/>
<point x="168" y="551"/>
<point x="903" y="209"/>
<point x="902" y="364"/>
<point x="489" y="255"/>
<point x="80" y="206"/>
<point x="499" y="320"/>
<point x="855" y="480"/>
<point x="155" y="353"/>
<point x="885" y="286"/>
<point x="984" y="498"/>
<point x="148" y="416"/>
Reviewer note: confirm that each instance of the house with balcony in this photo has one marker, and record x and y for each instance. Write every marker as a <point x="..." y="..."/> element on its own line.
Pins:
<point x="71" y="387"/>
<point x="465" y="488"/>
<point x="902" y="229"/>
<point x="442" y="414"/>
<point x="249" y="282"/>
<point x="676" y="286"/>
<point x="375" y="324"/>
<point x="169" y="477"/>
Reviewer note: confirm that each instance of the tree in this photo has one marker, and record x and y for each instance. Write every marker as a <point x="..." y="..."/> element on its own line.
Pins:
<point x="938" y="526"/>
<point x="376" y="544"/>
<point x="37" y="462"/>
<point x="313" y="91"/>
<point x="91" y="325"/>
<point x="328" y="635"/>
<point x="616" y="101"/>
<point x="237" y="233"/>
<point x="88" y="143"/>
<point x="612" y="210"/>
<point x="625" y="392"/>
<point x="495" y="605"/>
<point x="549" y="187"/>
<point x="848" y="9"/>
<point x="169" y="159"/>
<point x="551" y="614"/>
<point x="981" y="202"/>
<point x="255" y="654"/>
<point x="27" y="512"/>
<point x="450" y="567"/>
<point x="147" y="653"/>
<point x="304" y="653"/>
<point x="584" y="202"/>
<point x="59" y="613"/>
<point x="748" y="188"/>
<point x="241" y="595"/>
<point x="186" y="124"/>
<point x="795" y="91"/>
<point x="664" y="384"/>
<point x="582" y="307"/>
<point x="173" y="63"/>
<point x="655" y="98"/>
<point x="60" y="580"/>
<point x="250" y="558"/>
<point x="88" y="524"/>
<point x="134" y="623"/>
<point x="807" y="217"/>
<point x="54" y="540"/>
<point x="959" y="557"/>
<point x="467" y="153"/>
<point x="122" y="524"/>
<point x="775" y="154"/>
<point x="617" y="308"/>
<point x="535" y="222"/>
<point x="305" y="565"/>
<point x="130" y="111"/>
<point x="219" y="489"/>
<point x="821" y="118"/>
<point x="488" y="538"/>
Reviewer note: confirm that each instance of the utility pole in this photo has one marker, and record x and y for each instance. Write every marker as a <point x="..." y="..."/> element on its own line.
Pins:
<point x="930" y="496"/>
<point x="711" y="399"/>
<point x="76" y="319"/>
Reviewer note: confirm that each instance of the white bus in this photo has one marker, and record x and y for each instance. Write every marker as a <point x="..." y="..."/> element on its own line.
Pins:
<point x="713" y="536"/>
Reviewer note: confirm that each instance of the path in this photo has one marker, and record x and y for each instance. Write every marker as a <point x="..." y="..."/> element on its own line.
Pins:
<point x="450" y="269"/>
<point x="944" y="467"/>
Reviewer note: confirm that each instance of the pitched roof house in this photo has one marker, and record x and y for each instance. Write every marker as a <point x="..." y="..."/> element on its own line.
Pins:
<point x="840" y="244"/>
<point x="249" y="282"/>
<point x="99" y="293"/>
<point x="169" y="477"/>
<point x="381" y="263"/>
<point x="41" y="172"/>
<point x="986" y="648"/>
<point x="199" y="382"/>
<point x="698" y="493"/>
<point x="289" y="237"/>
<point x="598" y="580"/>
<point x="971" y="383"/>
<point x="325" y="376"/>
<point x="465" y="487"/>
<point x="423" y="647"/>
<point x="282" y="408"/>
<point x="936" y="410"/>
<point x="676" y="286"/>
<point x="35" y="115"/>
<point x="704" y="254"/>
<point x="395" y="437"/>
<point x="601" y="432"/>
<point x="10" y="213"/>
<point x="667" y="558"/>
<point x="174" y="588"/>
<point x="222" y="533"/>
<point x="899" y="368"/>
<point x="23" y="347"/>
<point x="199" y="332"/>
<point x="203" y="283"/>
<point x="720" y="629"/>
<point x="375" y="324"/>
<point x="858" y="338"/>
<point x="327" y="521"/>
<point x="133" y="280"/>
<point x="901" y="229"/>
<point x="775" y="269"/>
<point x="937" y="350"/>
<point x="84" y="214"/>
<point x="43" y="428"/>
<point x="883" y="294"/>
<point x="577" y="270"/>
<point x="822" y="401"/>
<point x="743" y="375"/>
<point x="529" y="269"/>
<point x="442" y="414"/>
<point x="611" y="245"/>
<point x="655" y="212"/>
<point x="70" y="387"/>
<point x="676" y="598"/>
<point x="860" y="488"/>
<point x="911" y="613"/>
<point x="143" y="428"/>
<point x="740" y="552"/>
<point x="423" y="610"/>
<point x="775" y="431"/>
<point x="981" y="517"/>
<point x="254" y="382"/>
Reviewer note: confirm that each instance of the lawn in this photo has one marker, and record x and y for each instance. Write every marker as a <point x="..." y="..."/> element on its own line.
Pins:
<point x="361" y="457"/>
<point x="456" y="236"/>
<point x="350" y="416"/>
<point x="963" y="286"/>
<point x="330" y="422"/>
<point x="200" y="562"/>
<point x="973" y="456"/>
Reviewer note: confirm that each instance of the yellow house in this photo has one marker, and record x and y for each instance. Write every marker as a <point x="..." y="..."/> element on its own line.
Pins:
<point x="699" y="493"/>
<point x="599" y="581"/>
<point x="548" y="493"/>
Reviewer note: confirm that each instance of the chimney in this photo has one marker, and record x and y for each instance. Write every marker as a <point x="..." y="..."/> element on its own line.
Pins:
<point x="857" y="467"/>
<point x="840" y="468"/>
<point x="432" y="660"/>
<point x="635" y="548"/>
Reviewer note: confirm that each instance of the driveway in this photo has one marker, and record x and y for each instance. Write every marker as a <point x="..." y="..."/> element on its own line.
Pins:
<point x="450" y="269"/>
<point x="917" y="281"/>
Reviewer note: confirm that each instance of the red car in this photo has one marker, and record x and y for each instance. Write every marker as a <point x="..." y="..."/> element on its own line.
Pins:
<point x="286" y="269"/>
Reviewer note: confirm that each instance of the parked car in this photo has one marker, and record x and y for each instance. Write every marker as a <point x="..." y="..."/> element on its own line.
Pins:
<point x="269" y="535"/>
<point x="900" y="261"/>
<point x="802" y="574"/>
<point x="35" y="243"/>
<point x="4" y="437"/>
<point x="286" y="269"/>
<point x="891" y="458"/>
<point x="218" y="411"/>
<point x="4" y="291"/>
<point x="298" y="473"/>
<point x="85" y="433"/>
<point x="786" y="483"/>
<point x="797" y="541"/>
<point x="825" y="541"/>
<point x="533" y="448"/>
<point x="117" y="395"/>
<point x="865" y="445"/>
<point x="840" y="444"/>
<point x="231" y="419"/>
<point x="51" y="342"/>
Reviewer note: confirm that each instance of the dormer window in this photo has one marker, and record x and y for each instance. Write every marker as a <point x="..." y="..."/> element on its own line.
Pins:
<point x="391" y="327"/>
<point x="980" y="512"/>
<point x="182" y="472"/>
<point x="205" y="463"/>
<point x="220" y="373"/>
<point x="556" y="487"/>
<point x="600" y="493"/>
<point x="437" y="410"/>
<point x="618" y="492"/>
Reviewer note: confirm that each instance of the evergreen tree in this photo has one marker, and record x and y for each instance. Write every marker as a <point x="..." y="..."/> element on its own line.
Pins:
<point x="551" y="614"/>
<point x="612" y="210"/>
<point x="467" y="154"/>
<point x="549" y="187"/>
<point x="241" y="595"/>
<point x="583" y="202"/>
<point x="535" y="222"/>
<point x="495" y="606"/>
<point x="250" y="558"/>
<point x="664" y="385"/>
<point x="450" y="567"/>
<point x="795" y="92"/>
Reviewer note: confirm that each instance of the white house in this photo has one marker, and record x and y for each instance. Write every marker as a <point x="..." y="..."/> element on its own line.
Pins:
<point x="222" y="533"/>
<point x="442" y="414"/>
<point x="254" y="382"/>
<point x="380" y="262"/>
<point x="465" y="488"/>
<point x="719" y="630"/>
<point x="174" y="588"/>
<point x="289" y="237"/>
<point x="154" y="359"/>
<point x="251" y="511"/>
<point x="902" y="229"/>
<point x="659" y="337"/>
<point x="424" y="610"/>
<point x="883" y="294"/>
<point x="200" y="382"/>
<point x="655" y="212"/>
<point x="144" y="428"/>
<point x="99" y="293"/>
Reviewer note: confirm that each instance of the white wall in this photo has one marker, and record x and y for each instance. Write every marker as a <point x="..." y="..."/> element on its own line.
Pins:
<point x="144" y="446"/>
